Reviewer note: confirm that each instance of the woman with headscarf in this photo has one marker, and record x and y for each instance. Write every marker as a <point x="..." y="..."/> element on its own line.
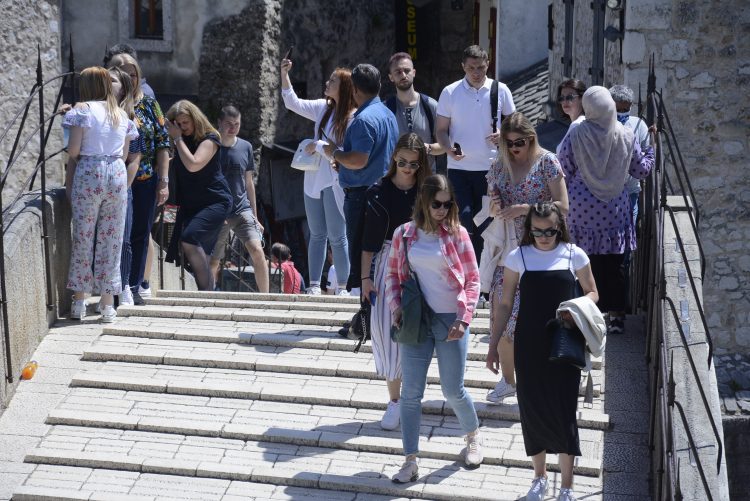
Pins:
<point x="597" y="157"/>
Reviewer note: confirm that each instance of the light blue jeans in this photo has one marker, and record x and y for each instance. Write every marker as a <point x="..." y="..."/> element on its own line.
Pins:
<point x="415" y="360"/>
<point x="326" y="223"/>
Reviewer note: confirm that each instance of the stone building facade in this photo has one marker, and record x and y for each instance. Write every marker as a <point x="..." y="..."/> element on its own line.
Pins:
<point x="24" y="25"/>
<point x="702" y="59"/>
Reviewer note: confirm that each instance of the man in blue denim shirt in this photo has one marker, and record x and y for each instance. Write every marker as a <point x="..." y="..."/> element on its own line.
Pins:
<point x="364" y="159"/>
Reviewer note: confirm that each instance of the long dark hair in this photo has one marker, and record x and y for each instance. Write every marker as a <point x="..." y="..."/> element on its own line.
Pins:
<point x="341" y="109"/>
<point x="570" y="83"/>
<point x="427" y="191"/>
<point x="412" y="142"/>
<point x="544" y="210"/>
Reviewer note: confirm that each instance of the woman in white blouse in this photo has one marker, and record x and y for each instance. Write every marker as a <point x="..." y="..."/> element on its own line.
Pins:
<point x="324" y="197"/>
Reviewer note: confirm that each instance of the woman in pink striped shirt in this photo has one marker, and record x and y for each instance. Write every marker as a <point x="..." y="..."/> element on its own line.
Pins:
<point x="440" y="254"/>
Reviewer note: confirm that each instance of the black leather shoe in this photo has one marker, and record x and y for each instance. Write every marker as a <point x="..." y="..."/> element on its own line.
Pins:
<point x="137" y="299"/>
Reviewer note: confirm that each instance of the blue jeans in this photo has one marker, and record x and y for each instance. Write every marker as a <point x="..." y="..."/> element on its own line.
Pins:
<point x="144" y="206"/>
<point x="470" y="187"/>
<point x="127" y="251"/>
<point x="415" y="360"/>
<point x="354" y="213"/>
<point x="326" y="224"/>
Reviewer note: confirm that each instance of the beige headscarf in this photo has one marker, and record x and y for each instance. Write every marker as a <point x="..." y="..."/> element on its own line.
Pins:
<point x="602" y="146"/>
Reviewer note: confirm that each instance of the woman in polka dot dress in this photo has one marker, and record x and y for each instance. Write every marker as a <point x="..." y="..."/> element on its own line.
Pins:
<point x="596" y="157"/>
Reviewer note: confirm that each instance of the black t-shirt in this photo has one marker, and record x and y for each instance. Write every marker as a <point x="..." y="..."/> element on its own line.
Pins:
<point x="208" y="186"/>
<point x="388" y="207"/>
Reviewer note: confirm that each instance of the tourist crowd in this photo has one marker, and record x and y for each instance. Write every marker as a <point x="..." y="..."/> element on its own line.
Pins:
<point x="421" y="205"/>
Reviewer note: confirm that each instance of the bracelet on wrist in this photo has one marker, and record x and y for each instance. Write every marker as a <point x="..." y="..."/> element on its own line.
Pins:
<point x="365" y="278"/>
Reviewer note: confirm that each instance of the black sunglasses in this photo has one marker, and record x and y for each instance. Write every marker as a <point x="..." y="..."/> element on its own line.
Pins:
<point x="518" y="143"/>
<point x="549" y="232"/>
<point x="570" y="98"/>
<point x="403" y="163"/>
<point x="437" y="204"/>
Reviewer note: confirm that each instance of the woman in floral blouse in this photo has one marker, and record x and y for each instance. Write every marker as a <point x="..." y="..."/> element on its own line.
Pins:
<point x="151" y="185"/>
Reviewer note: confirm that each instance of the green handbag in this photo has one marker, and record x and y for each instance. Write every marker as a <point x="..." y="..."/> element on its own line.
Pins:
<point x="416" y="314"/>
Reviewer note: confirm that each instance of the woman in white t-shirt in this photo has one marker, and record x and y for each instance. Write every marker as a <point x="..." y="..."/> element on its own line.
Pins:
<point x="96" y="184"/>
<point x="546" y="269"/>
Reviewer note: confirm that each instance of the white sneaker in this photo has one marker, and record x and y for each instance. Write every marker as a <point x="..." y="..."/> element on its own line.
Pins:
<point x="538" y="489"/>
<point x="108" y="314"/>
<point x="78" y="309"/>
<point x="566" y="494"/>
<point x="126" y="296"/>
<point x="343" y="292"/>
<point x="473" y="455"/>
<point x="145" y="293"/>
<point x="502" y="390"/>
<point x="314" y="290"/>
<point x="392" y="417"/>
<point x="409" y="472"/>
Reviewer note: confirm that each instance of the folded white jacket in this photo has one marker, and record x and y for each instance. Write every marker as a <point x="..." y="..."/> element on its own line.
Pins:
<point x="499" y="239"/>
<point x="590" y="321"/>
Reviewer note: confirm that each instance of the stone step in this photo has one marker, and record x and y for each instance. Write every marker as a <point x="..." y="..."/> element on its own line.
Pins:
<point x="269" y="334"/>
<point x="284" y="359"/>
<point x="262" y="304"/>
<point x="298" y="424"/>
<point x="71" y="483"/>
<point x="291" y="465"/>
<point x="295" y="316"/>
<point x="260" y="384"/>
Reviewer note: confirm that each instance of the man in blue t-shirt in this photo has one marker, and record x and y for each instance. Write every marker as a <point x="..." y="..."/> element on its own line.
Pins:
<point x="236" y="157"/>
<point x="364" y="159"/>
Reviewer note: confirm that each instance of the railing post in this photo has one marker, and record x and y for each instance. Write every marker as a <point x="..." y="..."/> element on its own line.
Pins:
<point x="42" y="162"/>
<point x="4" y="298"/>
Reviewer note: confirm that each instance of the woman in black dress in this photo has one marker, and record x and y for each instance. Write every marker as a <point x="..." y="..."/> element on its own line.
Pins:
<point x="202" y="191"/>
<point x="544" y="268"/>
<point x="390" y="203"/>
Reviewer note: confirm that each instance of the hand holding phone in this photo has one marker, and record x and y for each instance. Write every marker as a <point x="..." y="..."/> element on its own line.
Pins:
<point x="457" y="149"/>
<point x="289" y="53"/>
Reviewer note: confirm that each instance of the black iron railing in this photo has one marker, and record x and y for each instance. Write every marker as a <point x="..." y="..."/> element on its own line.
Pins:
<point x="651" y="297"/>
<point x="24" y="136"/>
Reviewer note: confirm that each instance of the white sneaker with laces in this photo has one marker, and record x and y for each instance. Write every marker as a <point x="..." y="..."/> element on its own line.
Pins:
<point x="473" y="455"/>
<point x="538" y="489"/>
<point x="392" y="417"/>
<point x="314" y="290"/>
<point x="78" y="309"/>
<point x="108" y="314"/>
<point x="126" y="296"/>
<point x="502" y="390"/>
<point x="343" y="292"/>
<point x="409" y="472"/>
<point x="145" y="293"/>
<point x="566" y="494"/>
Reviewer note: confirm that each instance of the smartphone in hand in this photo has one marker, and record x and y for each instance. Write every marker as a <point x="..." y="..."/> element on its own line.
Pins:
<point x="457" y="149"/>
<point x="289" y="53"/>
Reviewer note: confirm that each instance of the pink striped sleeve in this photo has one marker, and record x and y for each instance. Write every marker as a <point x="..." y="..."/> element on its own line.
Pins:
<point x="393" y="271"/>
<point x="467" y="300"/>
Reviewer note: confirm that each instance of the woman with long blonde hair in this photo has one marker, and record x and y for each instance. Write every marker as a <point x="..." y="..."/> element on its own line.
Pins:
<point x="324" y="197"/>
<point x="151" y="184"/>
<point x="202" y="191"/>
<point x="96" y="184"/>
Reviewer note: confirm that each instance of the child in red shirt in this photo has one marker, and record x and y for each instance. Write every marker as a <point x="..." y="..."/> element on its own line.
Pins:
<point x="281" y="257"/>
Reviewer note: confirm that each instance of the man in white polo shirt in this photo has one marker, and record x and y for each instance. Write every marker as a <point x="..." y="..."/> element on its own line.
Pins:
<point x="466" y="116"/>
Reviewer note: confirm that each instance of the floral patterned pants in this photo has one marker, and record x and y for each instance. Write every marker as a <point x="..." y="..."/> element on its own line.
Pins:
<point x="99" y="199"/>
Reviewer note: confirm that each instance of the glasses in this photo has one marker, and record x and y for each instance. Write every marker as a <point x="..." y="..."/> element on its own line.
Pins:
<point x="549" y="232"/>
<point x="437" y="204"/>
<point x="569" y="98"/>
<point x="518" y="143"/>
<point x="403" y="163"/>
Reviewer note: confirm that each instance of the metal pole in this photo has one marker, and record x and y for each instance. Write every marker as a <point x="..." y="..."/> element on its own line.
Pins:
<point x="43" y="163"/>
<point x="3" y="299"/>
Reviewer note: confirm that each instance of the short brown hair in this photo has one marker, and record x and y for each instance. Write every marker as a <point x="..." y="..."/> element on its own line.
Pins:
<point x="430" y="187"/>
<point x="476" y="52"/>
<point x="398" y="56"/>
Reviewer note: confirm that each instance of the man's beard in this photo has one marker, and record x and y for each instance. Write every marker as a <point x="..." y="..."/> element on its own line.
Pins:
<point x="404" y="85"/>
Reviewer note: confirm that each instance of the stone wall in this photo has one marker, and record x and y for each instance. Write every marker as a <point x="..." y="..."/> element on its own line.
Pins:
<point x="702" y="58"/>
<point x="24" y="25"/>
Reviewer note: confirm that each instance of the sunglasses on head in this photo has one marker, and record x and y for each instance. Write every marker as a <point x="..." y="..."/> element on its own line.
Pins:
<point x="518" y="143"/>
<point x="437" y="204"/>
<point x="403" y="163"/>
<point x="549" y="232"/>
<point x="570" y="98"/>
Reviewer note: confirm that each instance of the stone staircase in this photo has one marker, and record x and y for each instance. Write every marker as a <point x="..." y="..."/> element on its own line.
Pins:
<point x="231" y="396"/>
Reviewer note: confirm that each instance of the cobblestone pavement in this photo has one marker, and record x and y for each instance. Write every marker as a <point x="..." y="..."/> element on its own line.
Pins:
<point x="226" y="397"/>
